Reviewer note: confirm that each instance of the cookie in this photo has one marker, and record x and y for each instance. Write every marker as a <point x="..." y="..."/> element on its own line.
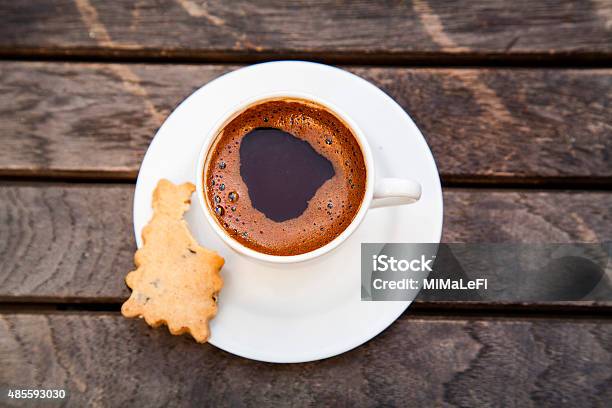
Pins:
<point x="176" y="281"/>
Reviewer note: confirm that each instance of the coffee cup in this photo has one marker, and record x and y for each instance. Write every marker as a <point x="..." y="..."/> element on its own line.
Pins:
<point x="384" y="192"/>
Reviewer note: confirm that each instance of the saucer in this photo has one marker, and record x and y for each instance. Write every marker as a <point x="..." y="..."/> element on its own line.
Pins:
<point x="313" y="310"/>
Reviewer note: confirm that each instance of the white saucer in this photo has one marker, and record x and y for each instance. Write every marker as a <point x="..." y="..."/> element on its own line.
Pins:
<point x="309" y="311"/>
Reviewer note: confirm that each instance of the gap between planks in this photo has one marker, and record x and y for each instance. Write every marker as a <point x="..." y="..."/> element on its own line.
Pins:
<point x="430" y="60"/>
<point x="418" y="310"/>
<point x="447" y="181"/>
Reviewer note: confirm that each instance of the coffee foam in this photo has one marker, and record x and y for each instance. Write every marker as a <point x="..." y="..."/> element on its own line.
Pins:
<point x="329" y="211"/>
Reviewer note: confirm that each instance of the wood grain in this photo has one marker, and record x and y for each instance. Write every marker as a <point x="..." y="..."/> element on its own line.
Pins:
<point x="106" y="360"/>
<point x="356" y="30"/>
<point x="483" y="125"/>
<point x="74" y="242"/>
<point x="79" y="237"/>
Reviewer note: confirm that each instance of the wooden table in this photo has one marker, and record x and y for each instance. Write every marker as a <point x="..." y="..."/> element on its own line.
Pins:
<point x="514" y="99"/>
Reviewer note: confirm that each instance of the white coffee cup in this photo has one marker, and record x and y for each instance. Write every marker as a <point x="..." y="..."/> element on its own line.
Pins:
<point x="382" y="193"/>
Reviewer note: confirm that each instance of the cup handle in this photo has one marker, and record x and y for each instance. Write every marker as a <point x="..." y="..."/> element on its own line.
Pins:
<point x="394" y="191"/>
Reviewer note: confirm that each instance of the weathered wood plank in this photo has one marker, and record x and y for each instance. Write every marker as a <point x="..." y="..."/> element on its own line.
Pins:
<point x="415" y="362"/>
<point x="74" y="242"/>
<point x="348" y="30"/>
<point x="482" y="124"/>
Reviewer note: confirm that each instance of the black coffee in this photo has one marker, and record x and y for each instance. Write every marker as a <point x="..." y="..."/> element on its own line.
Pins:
<point x="285" y="177"/>
<point x="281" y="172"/>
